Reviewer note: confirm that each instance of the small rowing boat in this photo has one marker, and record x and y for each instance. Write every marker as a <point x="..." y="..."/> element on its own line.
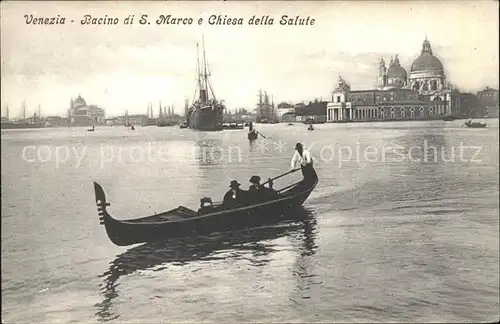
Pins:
<point x="252" y="135"/>
<point x="474" y="124"/>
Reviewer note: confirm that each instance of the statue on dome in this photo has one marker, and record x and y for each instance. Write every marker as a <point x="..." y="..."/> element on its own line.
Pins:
<point x="343" y="85"/>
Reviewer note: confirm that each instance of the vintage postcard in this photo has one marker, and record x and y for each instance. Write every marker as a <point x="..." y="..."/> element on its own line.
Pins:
<point x="250" y="161"/>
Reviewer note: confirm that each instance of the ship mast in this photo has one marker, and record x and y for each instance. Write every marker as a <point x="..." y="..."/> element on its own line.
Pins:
<point x="7" y="111"/>
<point x="205" y="75"/>
<point x="23" y="111"/>
<point x="260" y="104"/>
<point x="211" y="88"/>
<point x="198" y="65"/>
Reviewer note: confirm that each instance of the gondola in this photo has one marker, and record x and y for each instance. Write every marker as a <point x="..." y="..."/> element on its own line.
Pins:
<point x="252" y="135"/>
<point x="448" y="118"/>
<point x="310" y="128"/>
<point x="232" y="126"/>
<point x="183" y="222"/>
<point x="472" y="124"/>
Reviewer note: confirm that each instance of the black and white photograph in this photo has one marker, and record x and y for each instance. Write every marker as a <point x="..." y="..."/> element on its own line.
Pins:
<point x="250" y="161"/>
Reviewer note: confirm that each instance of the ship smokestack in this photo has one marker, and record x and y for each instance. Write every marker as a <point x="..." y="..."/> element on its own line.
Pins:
<point x="203" y="95"/>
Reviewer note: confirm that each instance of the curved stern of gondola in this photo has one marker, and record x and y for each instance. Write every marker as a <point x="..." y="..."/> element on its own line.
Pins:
<point x="113" y="226"/>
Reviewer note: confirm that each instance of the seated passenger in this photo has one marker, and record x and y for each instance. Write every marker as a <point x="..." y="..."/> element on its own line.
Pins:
<point x="258" y="193"/>
<point x="235" y="197"/>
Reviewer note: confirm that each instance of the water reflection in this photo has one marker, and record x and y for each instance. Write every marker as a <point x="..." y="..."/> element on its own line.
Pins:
<point x="253" y="146"/>
<point x="304" y="265"/>
<point x="427" y="154"/>
<point x="424" y="147"/>
<point x="158" y="256"/>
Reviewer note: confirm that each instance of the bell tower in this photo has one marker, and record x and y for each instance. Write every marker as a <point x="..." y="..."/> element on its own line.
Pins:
<point x="381" y="73"/>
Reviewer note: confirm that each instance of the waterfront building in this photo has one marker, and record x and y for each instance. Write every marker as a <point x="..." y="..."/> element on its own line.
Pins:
<point x="313" y="111"/>
<point x="425" y="94"/>
<point x="239" y="116"/>
<point x="136" y="119"/>
<point x="285" y="112"/>
<point x="81" y="114"/>
<point x="56" y="121"/>
<point x="488" y="98"/>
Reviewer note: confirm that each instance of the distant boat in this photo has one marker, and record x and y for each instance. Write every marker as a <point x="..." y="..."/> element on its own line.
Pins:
<point x="310" y="128"/>
<point x="92" y="129"/>
<point x="183" y="125"/>
<point x="24" y="123"/>
<point x="132" y="127"/>
<point x="233" y="126"/>
<point x="206" y="113"/>
<point x="166" y="123"/>
<point x="474" y="124"/>
<point x="448" y="118"/>
<point x="165" y="118"/>
<point x="252" y="135"/>
<point x="266" y="112"/>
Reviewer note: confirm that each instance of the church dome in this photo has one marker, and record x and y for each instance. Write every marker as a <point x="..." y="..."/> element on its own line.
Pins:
<point x="79" y="102"/>
<point x="396" y="70"/>
<point x="426" y="61"/>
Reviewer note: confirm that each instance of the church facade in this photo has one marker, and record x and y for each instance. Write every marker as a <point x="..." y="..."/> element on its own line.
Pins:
<point x="423" y="94"/>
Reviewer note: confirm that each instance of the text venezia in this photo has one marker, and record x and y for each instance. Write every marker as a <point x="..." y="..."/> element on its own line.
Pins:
<point x="217" y="20"/>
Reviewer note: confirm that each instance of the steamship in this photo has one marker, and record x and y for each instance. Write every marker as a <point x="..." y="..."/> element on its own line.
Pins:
<point x="206" y="112"/>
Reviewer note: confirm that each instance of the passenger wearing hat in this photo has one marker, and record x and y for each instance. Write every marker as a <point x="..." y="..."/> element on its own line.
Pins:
<point x="304" y="159"/>
<point x="235" y="196"/>
<point x="260" y="193"/>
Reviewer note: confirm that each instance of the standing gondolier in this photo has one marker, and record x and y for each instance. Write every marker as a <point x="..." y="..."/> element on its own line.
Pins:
<point x="303" y="157"/>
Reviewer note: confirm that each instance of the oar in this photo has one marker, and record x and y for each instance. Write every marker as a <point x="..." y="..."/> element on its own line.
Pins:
<point x="260" y="134"/>
<point x="282" y="175"/>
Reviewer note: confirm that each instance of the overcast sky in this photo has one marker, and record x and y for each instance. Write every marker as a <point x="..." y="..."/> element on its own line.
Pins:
<point x="125" y="67"/>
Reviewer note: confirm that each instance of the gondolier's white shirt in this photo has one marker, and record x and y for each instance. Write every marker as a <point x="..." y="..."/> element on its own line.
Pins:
<point x="302" y="160"/>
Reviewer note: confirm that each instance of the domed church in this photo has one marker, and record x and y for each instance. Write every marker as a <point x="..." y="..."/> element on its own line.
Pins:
<point x="425" y="94"/>
<point x="394" y="77"/>
<point x="81" y="114"/>
<point x="426" y="73"/>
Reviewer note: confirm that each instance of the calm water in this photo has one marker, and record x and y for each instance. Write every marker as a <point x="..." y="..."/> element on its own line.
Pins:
<point x="389" y="234"/>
